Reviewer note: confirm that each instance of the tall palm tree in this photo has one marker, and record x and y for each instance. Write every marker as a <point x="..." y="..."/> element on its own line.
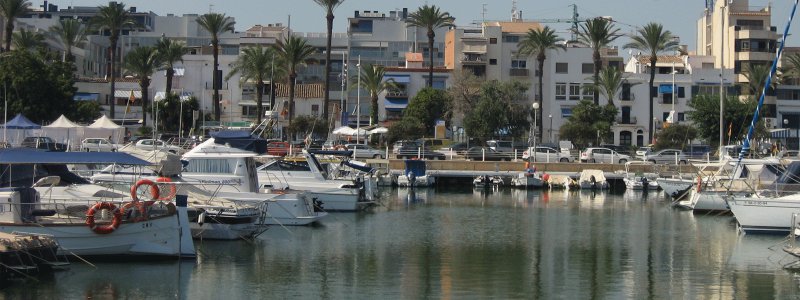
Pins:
<point x="293" y="51"/>
<point x="11" y="10"/>
<point x="537" y="42"/>
<point x="329" y="6"/>
<point x="430" y="18"/>
<point x="792" y="66"/>
<point x="69" y="32"/>
<point x="215" y="24"/>
<point x="597" y="34"/>
<point x="372" y="81"/>
<point x="27" y="40"/>
<point x="609" y="82"/>
<point x="141" y="62"/>
<point x="255" y="63"/>
<point x="756" y="78"/>
<point x="169" y="52"/>
<point x="652" y="39"/>
<point x="113" y="18"/>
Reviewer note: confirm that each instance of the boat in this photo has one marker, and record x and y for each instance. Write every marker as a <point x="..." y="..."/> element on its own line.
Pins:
<point x="87" y="219"/>
<point x="486" y="181"/>
<point x="560" y="181"/>
<point x="638" y="180"/>
<point x="528" y="178"/>
<point x="415" y="175"/>
<point x="592" y="179"/>
<point x="708" y="193"/>
<point x="222" y="219"/>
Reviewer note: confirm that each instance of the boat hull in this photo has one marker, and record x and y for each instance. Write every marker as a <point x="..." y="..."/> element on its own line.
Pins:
<point x="765" y="215"/>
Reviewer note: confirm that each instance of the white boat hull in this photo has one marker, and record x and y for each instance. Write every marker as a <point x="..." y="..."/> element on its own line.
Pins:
<point x="527" y="182"/>
<point x="765" y="215"/>
<point x="420" y="181"/>
<point x="708" y="201"/>
<point x="337" y="200"/>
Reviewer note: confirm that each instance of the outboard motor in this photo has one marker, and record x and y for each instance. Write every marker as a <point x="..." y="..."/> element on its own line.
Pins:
<point x="412" y="178"/>
<point x="593" y="181"/>
<point x="644" y="183"/>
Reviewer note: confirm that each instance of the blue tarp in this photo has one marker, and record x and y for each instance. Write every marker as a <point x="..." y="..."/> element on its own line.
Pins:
<point x="665" y="88"/>
<point x="21" y="122"/>
<point x="416" y="166"/>
<point x="33" y="156"/>
<point x="241" y="139"/>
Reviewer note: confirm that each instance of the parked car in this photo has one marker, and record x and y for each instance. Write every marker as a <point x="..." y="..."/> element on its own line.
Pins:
<point x="603" y="155"/>
<point x="696" y="151"/>
<point x="457" y="148"/>
<point x="364" y="151"/>
<point x="404" y="143"/>
<point x="151" y="144"/>
<point x="413" y="151"/>
<point x="545" y="154"/>
<point x="618" y="148"/>
<point x="42" y="142"/>
<point x="643" y="151"/>
<point x="278" y="148"/>
<point x="502" y="146"/>
<point x="98" y="145"/>
<point x="332" y="144"/>
<point x="667" y="156"/>
<point x="486" y="153"/>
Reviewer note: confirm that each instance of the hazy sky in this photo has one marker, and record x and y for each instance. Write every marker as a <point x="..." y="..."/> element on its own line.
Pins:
<point x="679" y="16"/>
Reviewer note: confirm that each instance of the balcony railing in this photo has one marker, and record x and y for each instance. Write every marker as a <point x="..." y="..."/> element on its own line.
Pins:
<point x="630" y="120"/>
<point x="473" y="59"/>
<point x="518" y="72"/>
<point x="397" y="94"/>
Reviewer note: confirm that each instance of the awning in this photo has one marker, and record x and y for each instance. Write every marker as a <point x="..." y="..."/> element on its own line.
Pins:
<point x="665" y="88"/>
<point x="394" y="104"/>
<point x="398" y="78"/>
<point x="127" y="94"/>
<point x="779" y="133"/>
<point x="247" y="103"/>
<point x="179" y="71"/>
<point x="87" y="96"/>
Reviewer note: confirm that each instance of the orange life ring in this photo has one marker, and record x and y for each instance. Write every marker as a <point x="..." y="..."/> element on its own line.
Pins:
<point x="154" y="194"/>
<point x="165" y="181"/>
<point x="141" y="207"/>
<point x="699" y="183"/>
<point x="104" y="229"/>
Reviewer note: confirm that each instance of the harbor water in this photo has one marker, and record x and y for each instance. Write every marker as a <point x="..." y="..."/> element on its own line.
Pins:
<point x="462" y="243"/>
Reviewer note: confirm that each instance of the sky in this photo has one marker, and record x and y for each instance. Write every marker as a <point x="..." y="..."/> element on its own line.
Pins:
<point x="678" y="16"/>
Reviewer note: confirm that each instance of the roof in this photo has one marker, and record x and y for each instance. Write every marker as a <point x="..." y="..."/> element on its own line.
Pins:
<point x="305" y="90"/>
<point x="515" y="27"/>
<point x="33" y="156"/>
<point x="645" y="59"/>
<point x="413" y="57"/>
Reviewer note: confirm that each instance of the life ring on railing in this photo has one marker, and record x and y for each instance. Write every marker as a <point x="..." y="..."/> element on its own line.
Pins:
<point x="153" y="189"/>
<point x="165" y="181"/>
<point x="104" y="229"/>
<point x="699" y="183"/>
<point x="141" y="207"/>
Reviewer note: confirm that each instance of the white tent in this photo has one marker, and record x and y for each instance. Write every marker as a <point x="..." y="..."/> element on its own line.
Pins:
<point x="64" y="131"/>
<point x="344" y="130"/>
<point x="103" y="127"/>
<point x="379" y="130"/>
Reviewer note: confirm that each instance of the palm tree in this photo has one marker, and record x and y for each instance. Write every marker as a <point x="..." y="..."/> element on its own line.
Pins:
<point x="372" y="81"/>
<point x="330" y="6"/>
<point x="27" y="40"/>
<point x="293" y="51"/>
<point x="11" y="10"/>
<point x="141" y="62"/>
<point x="255" y="63"/>
<point x="113" y="18"/>
<point x="169" y="52"/>
<point x="216" y="24"/>
<point x="429" y="17"/>
<point x="597" y="34"/>
<point x="538" y="41"/>
<point x="69" y="32"/>
<point x="756" y="78"/>
<point x="793" y="67"/>
<point x="652" y="39"/>
<point x="609" y="82"/>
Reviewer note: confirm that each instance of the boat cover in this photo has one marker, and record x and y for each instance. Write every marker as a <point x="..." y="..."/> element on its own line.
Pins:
<point x="36" y="156"/>
<point x="416" y="166"/>
<point x="241" y="140"/>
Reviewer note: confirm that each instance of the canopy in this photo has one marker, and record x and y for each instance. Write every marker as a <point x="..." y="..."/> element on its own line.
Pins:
<point x="379" y="130"/>
<point x="104" y="123"/>
<point x="21" y="122"/>
<point x="33" y="156"/>
<point x="344" y="130"/>
<point x="63" y="122"/>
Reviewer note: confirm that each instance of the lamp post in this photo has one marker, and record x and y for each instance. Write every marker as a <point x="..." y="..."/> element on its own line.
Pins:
<point x="654" y="130"/>
<point x="535" y="107"/>
<point x="550" y="138"/>
<point x="674" y="91"/>
<point x="358" y="101"/>
<point x="343" y="75"/>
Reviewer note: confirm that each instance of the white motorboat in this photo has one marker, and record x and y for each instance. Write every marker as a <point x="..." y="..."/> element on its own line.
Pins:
<point x="415" y="175"/>
<point x="708" y="195"/>
<point x="488" y="181"/>
<point x="86" y="219"/>
<point x="760" y="214"/>
<point x="639" y="180"/>
<point x="675" y="187"/>
<point x="527" y="180"/>
<point x="221" y="219"/>
<point x="592" y="179"/>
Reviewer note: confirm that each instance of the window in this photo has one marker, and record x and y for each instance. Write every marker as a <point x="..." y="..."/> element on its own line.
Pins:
<point x="588" y="93"/>
<point x="681" y="92"/>
<point x="745" y="45"/>
<point x="587" y="68"/>
<point x="626" y="92"/>
<point x="315" y="109"/>
<point x="665" y="115"/>
<point x="249" y="111"/>
<point x="566" y="112"/>
<point x="519" y="64"/>
<point x="216" y="166"/>
<point x="681" y="117"/>
<point x="510" y="39"/>
<point x="493" y="61"/>
<point x="492" y="41"/>
<point x="574" y="91"/>
<point x="625" y="138"/>
<point x="561" y="91"/>
<point x="562" y="68"/>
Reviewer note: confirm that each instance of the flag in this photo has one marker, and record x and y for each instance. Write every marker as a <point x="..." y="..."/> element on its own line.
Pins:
<point x="131" y="99"/>
<point x="730" y="129"/>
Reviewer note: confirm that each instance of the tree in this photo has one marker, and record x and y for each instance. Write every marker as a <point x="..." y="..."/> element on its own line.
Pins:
<point x="793" y="65"/>
<point x="255" y="63"/>
<point x="499" y="112"/>
<point x="293" y="51"/>
<point x="589" y="121"/>
<point x="371" y="79"/>
<point x="705" y="116"/>
<point x="216" y="24"/>
<point x="675" y="136"/>
<point x="430" y="18"/>
<point x="597" y="34"/>
<point x="427" y="106"/>
<point x="329" y="6"/>
<point x="609" y="82"/>
<point x="113" y="18"/>
<point x="86" y="112"/>
<point x="406" y="129"/>
<point x="309" y="125"/>
<point x="27" y="40"/>
<point x="652" y="39"/>
<point x="756" y="78"/>
<point x="41" y="90"/>
<point x="464" y="92"/>
<point x="537" y="42"/>
<point x="141" y="62"/>
<point x="169" y="112"/>
<point x="69" y="33"/>
<point x="11" y="10"/>
<point x="170" y="52"/>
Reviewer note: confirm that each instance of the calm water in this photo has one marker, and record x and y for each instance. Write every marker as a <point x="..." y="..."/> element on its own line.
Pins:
<point x="470" y="244"/>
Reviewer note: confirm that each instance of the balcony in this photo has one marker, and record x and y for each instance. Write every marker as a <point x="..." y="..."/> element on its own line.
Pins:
<point x="627" y="98"/>
<point x="518" y="72"/>
<point x="626" y="121"/>
<point x="666" y="99"/>
<point x="474" y="59"/>
<point x="396" y="94"/>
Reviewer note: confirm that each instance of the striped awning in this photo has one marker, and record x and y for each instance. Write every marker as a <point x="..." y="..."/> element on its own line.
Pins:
<point x="127" y="93"/>
<point x="779" y="133"/>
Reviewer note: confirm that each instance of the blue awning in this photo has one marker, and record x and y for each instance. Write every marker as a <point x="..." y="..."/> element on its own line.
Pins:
<point x="780" y="133"/>
<point x="665" y="88"/>
<point x="34" y="156"/>
<point x="394" y="109"/>
<point x="86" y="97"/>
<point x="398" y="78"/>
<point x="395" y="103"/>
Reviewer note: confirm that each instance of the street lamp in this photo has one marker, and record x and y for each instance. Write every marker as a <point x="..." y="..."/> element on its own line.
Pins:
<point x="358" y="100"/>
<point x="654" y="130"/>
<point x="674" y="91"/>
<point x="535" y="107"/>
<point x="550" y="116"/>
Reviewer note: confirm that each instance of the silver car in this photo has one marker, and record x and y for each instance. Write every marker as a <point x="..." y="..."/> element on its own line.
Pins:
<point x="364" y="151"/>
<point x="603" y="155"/>
<point x="667" y="156"/>
<point x="545" y="154"/>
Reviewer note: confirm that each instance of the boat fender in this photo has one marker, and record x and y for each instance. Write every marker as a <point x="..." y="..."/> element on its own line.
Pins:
<point x="104" y="229"/>
<point x="141" y="208"/>
<point x="166" y="185"/>
<point x="699" y="183"/>
<point x="154" y="194"/>
<point x="201" y="219"/>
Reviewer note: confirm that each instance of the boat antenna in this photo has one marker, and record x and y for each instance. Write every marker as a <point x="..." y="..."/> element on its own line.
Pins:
<point x="773" y="69"/>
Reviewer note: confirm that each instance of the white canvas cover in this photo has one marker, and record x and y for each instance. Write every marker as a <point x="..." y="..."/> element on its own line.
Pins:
<point x="103" y="127"/>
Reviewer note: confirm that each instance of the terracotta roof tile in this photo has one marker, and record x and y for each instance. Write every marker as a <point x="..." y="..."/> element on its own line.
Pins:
<point x="668" y="59"/>
<point x="302" y="91"/>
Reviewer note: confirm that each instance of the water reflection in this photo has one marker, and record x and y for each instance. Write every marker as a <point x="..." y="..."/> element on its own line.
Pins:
<point x="462" y="243"/>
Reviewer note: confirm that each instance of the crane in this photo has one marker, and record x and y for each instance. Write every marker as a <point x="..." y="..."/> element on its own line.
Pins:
<point x="574" y="21"/>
